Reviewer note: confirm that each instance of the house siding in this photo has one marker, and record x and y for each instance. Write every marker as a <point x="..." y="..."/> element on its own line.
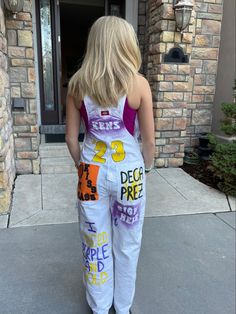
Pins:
<point x="226" y="73"/>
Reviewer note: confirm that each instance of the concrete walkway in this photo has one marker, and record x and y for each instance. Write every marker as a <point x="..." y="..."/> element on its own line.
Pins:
<point x="187" y="259"/>
<point x="51" y="198"/>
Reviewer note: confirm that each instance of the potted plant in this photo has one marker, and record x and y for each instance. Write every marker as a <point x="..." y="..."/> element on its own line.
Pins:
<point x="191" y="157"/>
<point x="204" y="148"/>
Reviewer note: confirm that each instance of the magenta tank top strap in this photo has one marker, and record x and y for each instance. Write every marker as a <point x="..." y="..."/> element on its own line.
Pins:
<point x="84" y="115"/>
<point x="129" y="115"/>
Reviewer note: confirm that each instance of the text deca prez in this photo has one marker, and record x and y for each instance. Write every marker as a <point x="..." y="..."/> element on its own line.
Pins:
<point x="131" y="184"/>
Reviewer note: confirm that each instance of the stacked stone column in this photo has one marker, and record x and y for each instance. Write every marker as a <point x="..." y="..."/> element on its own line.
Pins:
<point x="170" y="82"/>
<point x="183" y="94"/>
<point x="22" y="85"/>
<point x="7" y="167"/>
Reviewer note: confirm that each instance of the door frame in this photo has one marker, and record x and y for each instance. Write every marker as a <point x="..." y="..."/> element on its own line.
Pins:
<point x="48" y="117"/>
<point x="54" y="119"/>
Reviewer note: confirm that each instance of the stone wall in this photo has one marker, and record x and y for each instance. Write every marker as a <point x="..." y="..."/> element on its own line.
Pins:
<point x="7" y="166"/>
<point x="170" y="82"/>
<point x="142" y="31"/>
<point x="182" y="93"/>
<point x="22" y="86"/>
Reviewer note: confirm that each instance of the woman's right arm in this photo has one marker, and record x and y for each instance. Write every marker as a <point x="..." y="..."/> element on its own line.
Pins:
<point x="146" y="123"/>
<point x="72" y="128"/>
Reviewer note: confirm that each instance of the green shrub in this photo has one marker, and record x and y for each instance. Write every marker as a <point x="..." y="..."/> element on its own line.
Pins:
<point x="223" y="160"/>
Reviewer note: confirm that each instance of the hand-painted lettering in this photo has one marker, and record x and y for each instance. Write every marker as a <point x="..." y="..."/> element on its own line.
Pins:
<point x="131" y="192"/>
<point x="131" y="176"/>
<point x="97" y="239"/>
<point x="96" y="279"/>
<point x="91" y="226"/>
<point x="95" y="267"/>
<point x="87" y="185"/>
<point x="104" y="251"/>
<point x="100" y="266"/>
<point x="106" y="125"/>
<point x="101" y="148"/>
<point x="127" y="214"/>
<point x="95" y="252"/>
<point x="131" y="184"/>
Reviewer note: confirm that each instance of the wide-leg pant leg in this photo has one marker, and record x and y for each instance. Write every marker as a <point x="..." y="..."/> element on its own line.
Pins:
<point x="96" y="235"/>
<point x="127" y="236"/>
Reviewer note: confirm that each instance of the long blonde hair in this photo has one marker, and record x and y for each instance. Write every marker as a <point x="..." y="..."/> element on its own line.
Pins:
<point x="112" y="59"/>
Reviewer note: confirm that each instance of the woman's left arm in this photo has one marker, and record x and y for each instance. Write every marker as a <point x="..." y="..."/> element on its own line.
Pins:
<point x="72" y="129"/>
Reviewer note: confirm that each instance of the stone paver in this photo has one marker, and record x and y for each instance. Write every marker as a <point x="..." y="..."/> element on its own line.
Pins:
<point x="59" y="190"/>
<point x="26" y="197"/>
<point x="232" y="202"/>
<point x="51" y="216"/>
<point x="41" y="269"/>
<point x="3" y="221"/>
<point x="186" y="266"/>
<point x="199" y="197"/>
<point x="228" y="218"/>
<point x="162" y="197"/>
<point x="57" y="165"/>
<point x="170" y="191"/>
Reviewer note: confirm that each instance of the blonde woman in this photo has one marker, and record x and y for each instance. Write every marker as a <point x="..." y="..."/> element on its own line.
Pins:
<point x="114" y="102"/>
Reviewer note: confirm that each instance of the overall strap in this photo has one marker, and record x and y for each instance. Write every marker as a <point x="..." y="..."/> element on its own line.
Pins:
<point x="123" y="110"/>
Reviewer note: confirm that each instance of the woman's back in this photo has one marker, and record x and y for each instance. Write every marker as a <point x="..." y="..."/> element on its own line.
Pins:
<point x="113" y="100"/>
<point x="111" y="133"/>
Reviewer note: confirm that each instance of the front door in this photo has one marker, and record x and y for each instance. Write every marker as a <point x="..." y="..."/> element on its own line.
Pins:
<point x="63" y="27"/>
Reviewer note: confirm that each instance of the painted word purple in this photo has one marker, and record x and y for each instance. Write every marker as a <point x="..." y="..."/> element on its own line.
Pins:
<point x="93" y="254"/>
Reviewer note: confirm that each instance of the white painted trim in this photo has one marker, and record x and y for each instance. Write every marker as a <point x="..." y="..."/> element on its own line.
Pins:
<point x="131" y="13"/>
<point x="35" y="47"/>
<point x="226" y="139"/>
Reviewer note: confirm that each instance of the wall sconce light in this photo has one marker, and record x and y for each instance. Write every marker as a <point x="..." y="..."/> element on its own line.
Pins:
<point x="14" y="6"/>
<point x="183" y="11"/>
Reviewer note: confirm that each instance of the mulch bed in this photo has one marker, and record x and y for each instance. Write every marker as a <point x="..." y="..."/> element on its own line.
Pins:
<point x="201" y="173"/>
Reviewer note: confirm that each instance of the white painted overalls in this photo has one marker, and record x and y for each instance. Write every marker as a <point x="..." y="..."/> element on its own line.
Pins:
<point x="111" y="204"/>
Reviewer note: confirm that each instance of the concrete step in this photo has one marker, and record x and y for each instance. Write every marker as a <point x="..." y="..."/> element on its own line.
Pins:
<point x="53" y="150"/>
<point x="57" y="165"/>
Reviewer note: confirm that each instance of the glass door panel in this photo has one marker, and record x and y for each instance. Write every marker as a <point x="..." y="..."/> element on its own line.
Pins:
<point x="47" y="58"/>
<point x="116" y="7"/>
<point x="63" y="27"/>
<point x="45" y="19"/>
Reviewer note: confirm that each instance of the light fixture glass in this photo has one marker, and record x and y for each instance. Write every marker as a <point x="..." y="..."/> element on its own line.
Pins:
<point x="14" y="6"/>
<point x="183" y="11"/>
